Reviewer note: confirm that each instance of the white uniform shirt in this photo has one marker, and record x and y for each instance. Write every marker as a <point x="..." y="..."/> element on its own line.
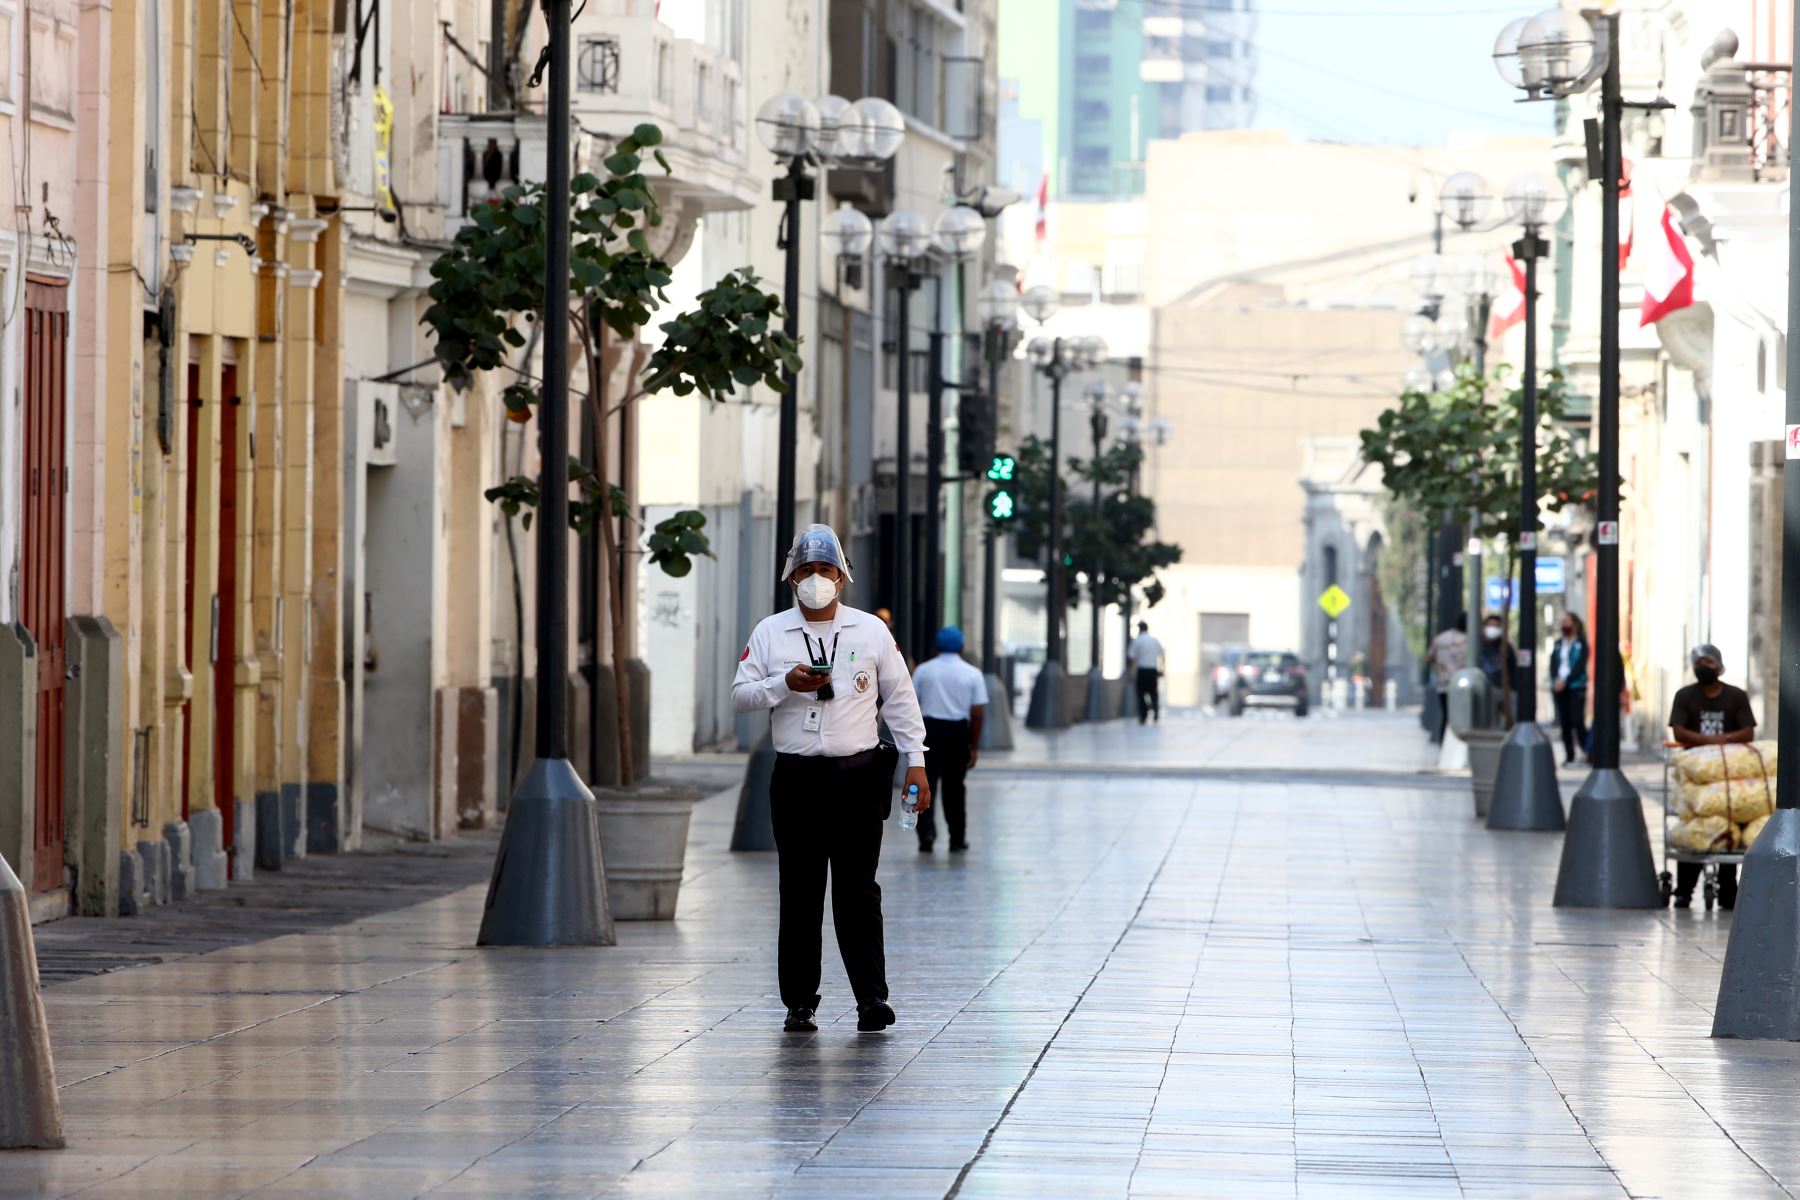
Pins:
<point x="949" y="687"/>
<point x="867" y="667"/>
<point x="1145" y="652"/>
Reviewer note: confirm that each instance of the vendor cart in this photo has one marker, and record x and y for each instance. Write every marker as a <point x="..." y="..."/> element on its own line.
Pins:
<point x="1710" y="861"/>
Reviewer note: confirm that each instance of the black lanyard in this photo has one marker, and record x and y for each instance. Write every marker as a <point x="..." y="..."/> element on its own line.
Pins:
<point x="819" y="659"/>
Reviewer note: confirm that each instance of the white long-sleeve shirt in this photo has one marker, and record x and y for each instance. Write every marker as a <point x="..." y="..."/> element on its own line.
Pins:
<point x="867" y="667"/>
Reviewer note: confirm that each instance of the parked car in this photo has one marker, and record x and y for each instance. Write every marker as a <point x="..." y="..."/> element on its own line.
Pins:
<point x="1225" y="672"/>
<point x="1269" y="677"/>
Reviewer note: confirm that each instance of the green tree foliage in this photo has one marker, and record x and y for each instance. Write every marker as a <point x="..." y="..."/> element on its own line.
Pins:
<point x="490" y="282"/>
<point x="1112" y="545"/>
<point x="1456" y="450"/>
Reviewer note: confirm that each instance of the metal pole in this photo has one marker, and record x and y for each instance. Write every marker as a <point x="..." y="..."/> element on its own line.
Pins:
<point x="1099" y="431"/>
<point x="1757" y="989"/>
<point x="785" y="469"/>
<point x="990" y="661"/>
<point x="1528" y="489"/>
<point x="934" y="472"/>
<point x="903" y="580"/>
<point x="549" y="886"/>
<point x="1131" y="491"/>
<point x="1526" y="794"/>
<point x="1606" y="860"/>
<point x="1428" y="707"/>
<point x="1608" y="670"/>
<point x="1053" y="595"/>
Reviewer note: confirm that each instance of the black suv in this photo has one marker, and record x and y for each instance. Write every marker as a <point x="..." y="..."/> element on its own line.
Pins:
<point x="1274" y="677"/>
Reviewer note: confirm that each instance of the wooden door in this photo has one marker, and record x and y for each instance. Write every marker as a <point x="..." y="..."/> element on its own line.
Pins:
<point x="42" y="602"/>
<point x="225" y="656"/>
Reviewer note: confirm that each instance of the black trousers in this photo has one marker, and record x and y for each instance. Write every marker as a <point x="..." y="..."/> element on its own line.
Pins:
<point x="1571" y="718"/>
<point x="828" y="814"/>
<point x="946" y="766"/>
<point x="1146" y="689"/>
<point x="1688" y="874"/>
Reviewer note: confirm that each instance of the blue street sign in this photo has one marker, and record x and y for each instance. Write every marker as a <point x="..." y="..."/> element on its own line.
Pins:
<point x="1499" y="593"/>
<point x="1550" y="579"/>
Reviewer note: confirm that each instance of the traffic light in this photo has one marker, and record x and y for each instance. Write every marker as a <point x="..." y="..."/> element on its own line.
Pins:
<point x="974" y="432"/>
<point x="1001" y="507"/>
<point x="1001" y="469"/>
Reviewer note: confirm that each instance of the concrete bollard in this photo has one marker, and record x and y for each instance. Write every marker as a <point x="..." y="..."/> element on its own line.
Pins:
<point x="30" y="1117"/>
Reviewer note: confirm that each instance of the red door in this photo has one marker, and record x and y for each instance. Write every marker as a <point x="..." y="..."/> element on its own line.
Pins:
<point x="225" y="654"/>
<point x="42" y="604"/>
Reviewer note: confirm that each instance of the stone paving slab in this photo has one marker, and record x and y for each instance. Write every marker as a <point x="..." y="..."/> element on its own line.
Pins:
<point x="1136" y="984"/>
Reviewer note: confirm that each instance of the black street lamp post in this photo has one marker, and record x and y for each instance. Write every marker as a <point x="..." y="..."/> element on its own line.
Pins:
<point x="1606" y="861"/>
<point x="802" y="134"/>
<point x="1056" y="358"/>
<point x="904" y="238"/>
<point x="548" y="886"/>
<point x="1759" y="991"/>
<point x="1526" y="795"/>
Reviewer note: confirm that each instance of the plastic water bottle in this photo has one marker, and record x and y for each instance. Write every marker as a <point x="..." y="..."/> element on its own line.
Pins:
<point x="909" y="808"/>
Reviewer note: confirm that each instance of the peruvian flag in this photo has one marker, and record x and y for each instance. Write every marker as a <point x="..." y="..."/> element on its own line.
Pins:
<point x="1668" y="271"/>
<point x="1043" y="207"/>
<point x="1509" y="305"/>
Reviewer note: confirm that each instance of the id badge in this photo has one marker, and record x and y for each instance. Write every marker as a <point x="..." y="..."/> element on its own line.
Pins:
<point x="813" y="713"/>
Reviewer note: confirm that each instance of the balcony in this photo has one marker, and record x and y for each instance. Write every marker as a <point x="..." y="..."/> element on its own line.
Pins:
<point x="630" y="69"/>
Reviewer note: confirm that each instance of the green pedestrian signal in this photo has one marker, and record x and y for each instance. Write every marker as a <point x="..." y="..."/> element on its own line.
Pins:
<point x="1002" y="469"/>
<point x="1000" y="505"/>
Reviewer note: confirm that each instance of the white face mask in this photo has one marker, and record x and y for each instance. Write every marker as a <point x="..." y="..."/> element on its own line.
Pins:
<point x="1490" y="632"/>
<point x="815" y="592"/>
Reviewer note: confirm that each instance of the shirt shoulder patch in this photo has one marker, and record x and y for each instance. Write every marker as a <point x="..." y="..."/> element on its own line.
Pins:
<point x="745" y="655"/>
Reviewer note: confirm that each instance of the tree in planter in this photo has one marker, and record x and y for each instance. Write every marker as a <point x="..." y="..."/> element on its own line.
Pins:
<point x="1456" y="450"/>
<point x="491" y="280"/>
<point x="1107" y="545"/>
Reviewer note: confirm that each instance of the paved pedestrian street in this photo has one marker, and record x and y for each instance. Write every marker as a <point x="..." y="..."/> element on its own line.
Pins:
<point x="1139" y="982"/>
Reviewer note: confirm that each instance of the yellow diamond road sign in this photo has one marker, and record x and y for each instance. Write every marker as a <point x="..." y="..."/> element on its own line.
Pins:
<point x="1334" y="600"/>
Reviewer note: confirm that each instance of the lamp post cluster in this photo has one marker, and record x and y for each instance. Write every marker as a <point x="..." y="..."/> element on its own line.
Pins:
<point x="1055" y="358"/>
<point x="1606" y="861"/>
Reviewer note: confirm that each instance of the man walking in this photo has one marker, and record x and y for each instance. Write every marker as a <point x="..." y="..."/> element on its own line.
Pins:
<point x="1449" y="654"/>
<point x="1146" y="656"/>
<point x="822" y="669"/>
<point x="953" y="697"/>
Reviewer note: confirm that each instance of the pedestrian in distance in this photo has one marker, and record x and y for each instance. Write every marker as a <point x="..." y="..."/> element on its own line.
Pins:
<point x="1146" y="657"/>
<point x="1569" y="685"/>
<point x="822" y="670"/>
<point x="953" y="697"/>
<point x="1449" y="654"/>
<point x="1709" y="712"/>
<point x="1497" y="659"/>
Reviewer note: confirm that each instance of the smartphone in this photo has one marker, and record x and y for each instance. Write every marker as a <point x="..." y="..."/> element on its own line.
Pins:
<point x="818" y="670"/>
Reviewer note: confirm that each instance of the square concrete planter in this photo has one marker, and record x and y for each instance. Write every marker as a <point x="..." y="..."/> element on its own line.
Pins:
<point x="643" y="844"/>
<point x="1484" y="765"/>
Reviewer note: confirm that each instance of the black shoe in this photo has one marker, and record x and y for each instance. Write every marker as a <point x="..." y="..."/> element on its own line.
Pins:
<point x="925" y="847"/>
<point x="958" y="847"/>
<point x="1682" y="901"/>
<point x="874" y="1016"/>
<point x="800" y="1020"/>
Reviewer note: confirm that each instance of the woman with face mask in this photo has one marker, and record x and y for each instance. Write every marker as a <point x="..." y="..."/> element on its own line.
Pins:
<point x="827" y="673"/>
<point x="1709" y="712"/>
<point x="1496" y="657"/>
<point x="1569" y="685"/>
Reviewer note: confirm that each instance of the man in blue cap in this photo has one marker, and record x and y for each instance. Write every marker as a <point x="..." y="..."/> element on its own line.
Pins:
<point x="953" y="697"/>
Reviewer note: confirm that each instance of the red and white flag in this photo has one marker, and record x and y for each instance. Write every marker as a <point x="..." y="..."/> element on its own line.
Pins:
<point x="1627" y="214"/>
<point x="1668" y="271"/>
<point x="1509" y="305"/>
<point x="1043" y="207"/>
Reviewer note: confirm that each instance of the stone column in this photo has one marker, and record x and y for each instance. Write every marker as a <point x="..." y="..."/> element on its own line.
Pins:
<point x="329" y="822"/>
<point x="267" y="604"/>
<point x="296" y="631"/>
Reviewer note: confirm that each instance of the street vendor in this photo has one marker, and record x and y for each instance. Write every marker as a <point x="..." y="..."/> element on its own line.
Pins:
<point x="1709" y="712"/>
